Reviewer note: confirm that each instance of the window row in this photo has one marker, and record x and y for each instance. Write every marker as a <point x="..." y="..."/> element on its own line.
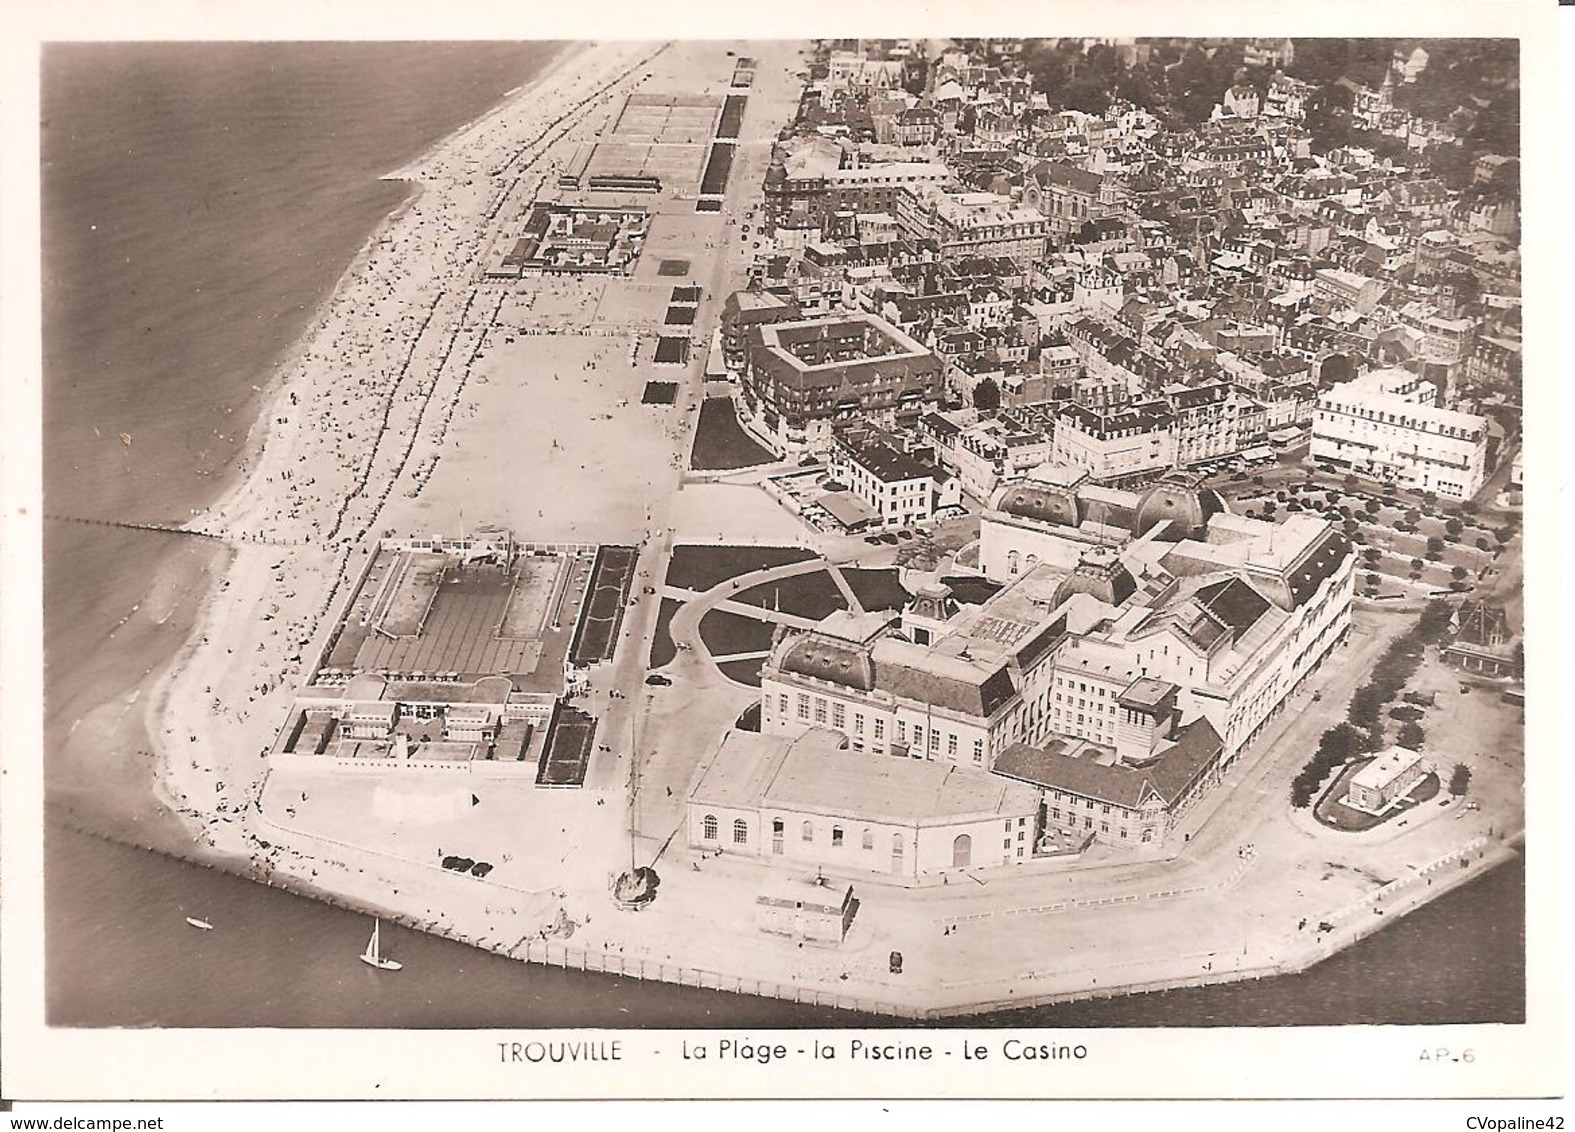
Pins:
<point x="708" y="830"/>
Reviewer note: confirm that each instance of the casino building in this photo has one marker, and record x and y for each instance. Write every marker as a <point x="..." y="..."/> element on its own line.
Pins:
<point x="1140" y="643"/>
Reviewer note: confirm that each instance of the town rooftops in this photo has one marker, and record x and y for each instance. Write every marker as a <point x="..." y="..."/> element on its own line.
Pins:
<point x="740" y="305"/>
<point x="1067" y="176"/>
<point x="888" y="464"/>
<point x="1166" y="780"/>
<point x="1372" y="397"/>
<point x="815" y="773"/>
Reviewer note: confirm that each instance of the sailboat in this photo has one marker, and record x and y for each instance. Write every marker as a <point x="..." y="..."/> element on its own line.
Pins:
<point x="196" y="923"/>
<point x="372" y="956"/>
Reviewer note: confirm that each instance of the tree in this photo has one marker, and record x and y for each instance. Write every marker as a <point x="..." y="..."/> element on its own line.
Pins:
<point x="1434" y="622"/>
<point x="1416" y="566"/>
<point x="1410" y="735"/>
<point x="1338" y="368"/>
<point x="1341" y="742"/>
<point x="1373" y="580"/>
<point x="987" y="395"/>
<point x="1453" y="528"/>
<point x="1458" y="573"/>
<point x="1435" y="547"/>
<point x="1459" y="780"/>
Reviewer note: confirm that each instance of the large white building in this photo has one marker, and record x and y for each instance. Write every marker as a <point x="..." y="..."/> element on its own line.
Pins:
<point x="810" y="799"/>
<point x="1127" y="443"/>
<point x="969" y="224"/>
<point x="1126" y="622"/>
<point x="898" y="488"/>
<point x="1386" y="426"/>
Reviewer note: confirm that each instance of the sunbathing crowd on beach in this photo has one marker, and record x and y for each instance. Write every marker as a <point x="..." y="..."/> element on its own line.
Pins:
<point x="363" y="408"/>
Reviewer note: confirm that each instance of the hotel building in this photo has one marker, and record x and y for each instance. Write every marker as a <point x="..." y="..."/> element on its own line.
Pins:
<point x="967" y="224"/>
<point x="1385" y="426"/>
<point x="803" y="377"/>
<point x="810" y="799"/>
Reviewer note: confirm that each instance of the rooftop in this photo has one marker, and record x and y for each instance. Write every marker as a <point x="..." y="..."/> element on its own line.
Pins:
<point x="815" y="773"/>
<point x="1167" y="779"/>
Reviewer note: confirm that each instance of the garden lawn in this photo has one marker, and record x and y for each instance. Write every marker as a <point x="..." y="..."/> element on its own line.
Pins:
<point x="721" y="444"/>
<point x="804" y="595"/>
<point x="701" y="567"/>
<point x="727" y="633"/>
<point x="876" y="589"/>
<point x="662" y="648"/>
<point x="743" y="671"/>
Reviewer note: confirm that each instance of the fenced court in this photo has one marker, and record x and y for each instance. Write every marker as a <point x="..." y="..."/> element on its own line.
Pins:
<point x="659" y="135"/>
<point x="567" y="751"/>
<point x="596" y="636"/>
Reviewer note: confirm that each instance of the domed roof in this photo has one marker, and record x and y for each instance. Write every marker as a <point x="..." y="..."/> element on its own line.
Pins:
<point x="1043" y="502"/>
<point x="824" y="658"/>
<point x="1100" y="573"/>
<point x="1181" y="498"/>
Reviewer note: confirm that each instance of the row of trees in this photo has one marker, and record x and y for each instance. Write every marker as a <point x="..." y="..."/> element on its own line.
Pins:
<point x="1363" y="729"/>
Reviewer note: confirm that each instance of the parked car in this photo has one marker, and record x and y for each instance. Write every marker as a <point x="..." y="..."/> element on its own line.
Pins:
<point x="656" y="679"/>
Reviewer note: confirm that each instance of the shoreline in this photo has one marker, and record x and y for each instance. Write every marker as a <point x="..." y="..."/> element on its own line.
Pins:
<point x="567" y="956"/>
<point x="549" y="71"/>
<point x="252" y="513"/>
<point x="284" y="363"/>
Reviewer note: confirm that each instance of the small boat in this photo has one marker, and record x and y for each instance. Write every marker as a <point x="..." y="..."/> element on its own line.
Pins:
<point x="196" y="923"/>
<point x="373" y="956"/>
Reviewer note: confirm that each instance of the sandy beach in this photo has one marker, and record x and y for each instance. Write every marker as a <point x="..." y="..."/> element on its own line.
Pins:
<point x="364" y="401"/>
<point x="424" y="399"/>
